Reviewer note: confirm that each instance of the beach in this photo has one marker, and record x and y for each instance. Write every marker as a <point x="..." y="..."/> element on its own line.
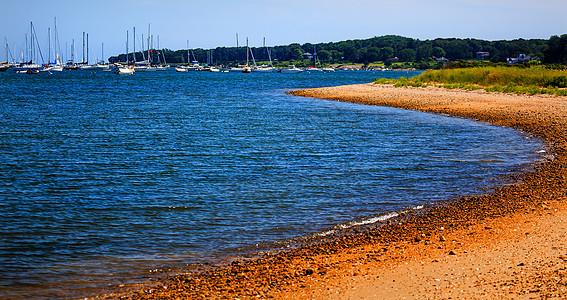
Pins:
<point x="508" y="244"/>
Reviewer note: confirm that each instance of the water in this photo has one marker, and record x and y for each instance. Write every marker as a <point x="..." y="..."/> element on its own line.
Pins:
<point x="104" y="177"/>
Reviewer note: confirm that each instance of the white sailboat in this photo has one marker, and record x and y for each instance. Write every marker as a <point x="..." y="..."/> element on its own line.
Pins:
<point x="239" y="68"/>
<point x="247" y="68"/>
<point x="264" y="68"/>
<point x="31" y="67"/>
<point x="182" y="68"/>
<point x="125" y="69"/>
<point x="315" y="61"/>
<point x="101" y="65"/>
<point x="292" y="69"/>
<point x="4" y="66"/>
<point x="194" y="65"/>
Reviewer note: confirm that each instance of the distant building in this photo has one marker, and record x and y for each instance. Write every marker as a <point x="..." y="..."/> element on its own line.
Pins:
<point x="443" y="59"/>
<point x="482" y="55"/>
<point x="307" y="55"/>
<point x="522" y="58"/>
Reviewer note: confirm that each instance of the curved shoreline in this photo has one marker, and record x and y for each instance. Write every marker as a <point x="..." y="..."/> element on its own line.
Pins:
<point x="410" y="255"/>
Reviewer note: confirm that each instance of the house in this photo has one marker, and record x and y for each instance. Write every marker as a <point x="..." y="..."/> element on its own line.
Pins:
<point x="307" y="55"/>
<point x="443" y="59"/>
<point x="482" y="55"/>
<point x="522" y="58"/>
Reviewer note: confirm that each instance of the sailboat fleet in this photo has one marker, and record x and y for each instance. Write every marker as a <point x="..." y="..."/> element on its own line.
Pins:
<point x="34" y="61"/>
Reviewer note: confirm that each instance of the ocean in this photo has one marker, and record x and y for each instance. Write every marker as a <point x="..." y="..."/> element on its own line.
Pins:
<point x="105" y="178"/>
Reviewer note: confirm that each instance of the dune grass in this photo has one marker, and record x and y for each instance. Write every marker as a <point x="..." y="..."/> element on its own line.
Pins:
<point x="534" y="80"/>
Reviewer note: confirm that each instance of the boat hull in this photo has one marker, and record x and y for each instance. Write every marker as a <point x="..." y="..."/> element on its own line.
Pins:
<point x="124" y="71"/>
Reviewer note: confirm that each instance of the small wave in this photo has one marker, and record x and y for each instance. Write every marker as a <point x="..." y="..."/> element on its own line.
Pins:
<point x="372" y="220"/>
<point x="375" y="219"/>
<point x="326" y="233"/>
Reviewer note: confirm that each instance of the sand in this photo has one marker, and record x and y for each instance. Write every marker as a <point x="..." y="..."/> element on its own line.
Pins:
<point x="509" y="244"/>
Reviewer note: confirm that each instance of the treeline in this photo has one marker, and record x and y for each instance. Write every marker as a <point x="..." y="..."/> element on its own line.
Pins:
<point x="386" y="49"/>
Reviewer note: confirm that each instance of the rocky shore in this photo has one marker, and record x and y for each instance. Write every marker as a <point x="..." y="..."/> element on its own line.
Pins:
<point x="509" y="244"/>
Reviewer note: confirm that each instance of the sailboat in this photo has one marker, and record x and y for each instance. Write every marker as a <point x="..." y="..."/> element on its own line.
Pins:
<point x="4" y="66"/>
<point x="31" y="67"/>
<point x="192" y="65"/>
<point x="314" y="67"/>
<point x="247" y="68"/>
<point x="127" y="69"/>
<point x="57" y="66"/>
<point x="71" y="65"/>
<point x="238" y="68"/>
<point x="291" y="69"/>
<point x="264" y="68"/>
<point x="101" y="65"/>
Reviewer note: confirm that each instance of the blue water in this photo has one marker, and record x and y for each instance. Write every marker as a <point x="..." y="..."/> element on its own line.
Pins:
<point x="104" y="177"/>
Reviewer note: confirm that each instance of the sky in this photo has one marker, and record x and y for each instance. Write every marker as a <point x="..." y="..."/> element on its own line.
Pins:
<point x="215" y="23"/>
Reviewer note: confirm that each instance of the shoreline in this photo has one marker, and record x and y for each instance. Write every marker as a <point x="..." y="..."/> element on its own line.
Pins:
<point x="411" y="255"/>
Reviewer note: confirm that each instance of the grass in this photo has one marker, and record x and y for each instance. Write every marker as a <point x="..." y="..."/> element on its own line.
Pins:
<point x="534" y="80"/>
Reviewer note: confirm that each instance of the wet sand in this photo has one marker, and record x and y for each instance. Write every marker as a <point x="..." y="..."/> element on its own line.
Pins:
<point x="509" y="244"/>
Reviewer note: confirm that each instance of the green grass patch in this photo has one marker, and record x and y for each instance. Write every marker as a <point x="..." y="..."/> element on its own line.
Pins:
<point x="533" y="80"/>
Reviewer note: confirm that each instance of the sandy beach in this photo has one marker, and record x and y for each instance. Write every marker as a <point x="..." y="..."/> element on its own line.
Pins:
<point x="509" y="244"/>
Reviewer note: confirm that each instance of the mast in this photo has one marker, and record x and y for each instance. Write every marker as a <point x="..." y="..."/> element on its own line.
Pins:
<point x="188" y="58"/>
<point x="34" y="34"/>
<point x="31" y="56"/>
<point x="163" y="54"/>
<point x="127" y="60"/>
<point x="268" y="52"/>
<point x="158" y="58"/>
<point x="237" y="54"/>
<point x="30" y="49"/>
<point x="87" y="48"/>
<point x="134" y="38"/>
<point x="152" y="47"/>
<point x="314" y="57"/>
<point x="142" y="51"/>
<point x="149" y="58"/>
<point x="56" y="42"/>
<point x="48" y="45"/>
<point x="247" y="52"/>
<point x="6" y="50"/>
<point x="73" y="52"/>
<point x="159" y="52"/>
<point x="83" y="58"/>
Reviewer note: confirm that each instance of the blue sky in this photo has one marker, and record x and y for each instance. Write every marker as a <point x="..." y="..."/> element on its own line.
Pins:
<point x="213" y="23"/>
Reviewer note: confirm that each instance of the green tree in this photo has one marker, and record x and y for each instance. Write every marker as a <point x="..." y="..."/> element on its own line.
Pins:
<point x="385" y="53"/>
<point x="438" y="52"/>
<point x="369" y="54"/>
<point x="423" y="52"/>
<point x="407" y="55"/>
<point x="324" y="55"/>
<point x="350" y="53"/>
<point x="295" y="52"/>
<point x="556" y="50"/>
